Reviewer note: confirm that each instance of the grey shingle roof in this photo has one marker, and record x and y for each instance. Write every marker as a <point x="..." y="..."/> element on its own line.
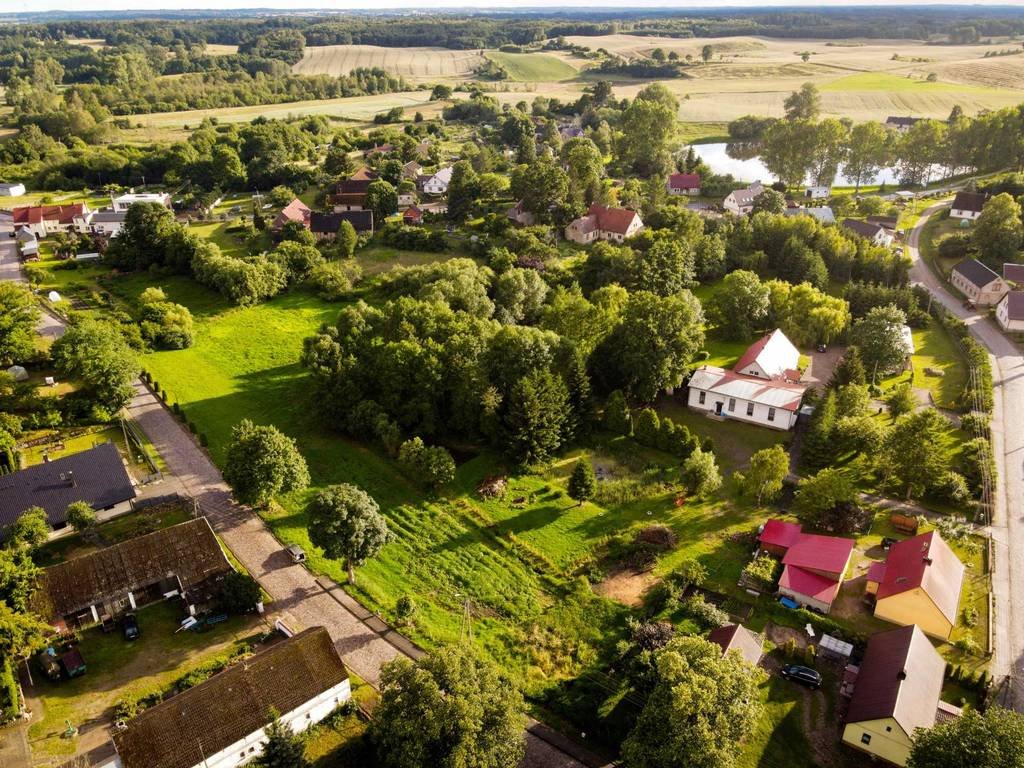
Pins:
<point x="328" y="223"/>
<point x="976" y="272"/>
<point x="862" y="228"/>
<point x="97" y="476"/>
<point x="1015" y="305"/>
<point x="969" y="201"/>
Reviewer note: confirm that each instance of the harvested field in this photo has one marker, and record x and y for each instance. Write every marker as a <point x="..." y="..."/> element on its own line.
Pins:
<point x="219" y="49"/>
<point x="412" y="63"/>
<point x="994" y="72"/>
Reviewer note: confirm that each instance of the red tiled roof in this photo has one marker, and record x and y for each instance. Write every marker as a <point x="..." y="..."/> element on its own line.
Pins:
<point x="779" y="533"/>
<point x="820" y="553"/>
<point x="809" y="584"/>
<point x="34" y="214"/>
<point x="753" y="351"/>
<point x="412" y="212"/>
<point x="363" y="174"/>
<point x="684" y="181"/>
<point x="612" y="219"/>
<point x="296" y="210"/>
<point x="925" y="561"/>
<point x="876" y="572"/>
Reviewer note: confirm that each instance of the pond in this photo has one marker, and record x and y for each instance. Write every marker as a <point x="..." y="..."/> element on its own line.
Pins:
<point x="730" y="159"/>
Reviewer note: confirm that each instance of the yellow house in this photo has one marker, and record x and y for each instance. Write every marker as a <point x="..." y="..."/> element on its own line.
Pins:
<point x="919" y="583"/>
<point x="897" y="691"/>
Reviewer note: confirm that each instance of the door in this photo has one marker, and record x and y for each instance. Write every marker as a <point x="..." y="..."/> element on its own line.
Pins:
<point x="718" y="407"/>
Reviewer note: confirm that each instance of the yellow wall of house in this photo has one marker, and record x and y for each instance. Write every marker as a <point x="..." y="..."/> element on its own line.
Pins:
<point x="871" y="588"/>
<point x="892" y="745"/>
<point x="914" y="607"/>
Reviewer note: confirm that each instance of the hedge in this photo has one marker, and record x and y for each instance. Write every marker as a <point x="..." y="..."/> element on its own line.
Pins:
<point x="10" y="704"/>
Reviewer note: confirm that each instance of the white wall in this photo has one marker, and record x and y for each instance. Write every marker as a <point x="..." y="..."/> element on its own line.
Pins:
<point x="784" y="419"/>
<point x="958" y="213"/>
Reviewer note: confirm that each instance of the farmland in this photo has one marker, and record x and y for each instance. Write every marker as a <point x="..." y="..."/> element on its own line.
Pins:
<point x="410" y="63"/>
<point x="533" y="67"/>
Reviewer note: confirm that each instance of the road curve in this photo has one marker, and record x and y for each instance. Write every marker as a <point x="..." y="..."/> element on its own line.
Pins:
<point x="1007" y="528"/>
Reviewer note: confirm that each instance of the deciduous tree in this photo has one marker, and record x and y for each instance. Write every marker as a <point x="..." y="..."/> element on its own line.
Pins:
<point x="96" y="354"/>
<point x="262" y="462"/>
<point x="994" y="739"/>
<point x="740" y="307"/>
<point x="18" y="316"/>
<point x="998" y="233"/>
<point x="346" y="523"/>
<point x="768" y="469"/>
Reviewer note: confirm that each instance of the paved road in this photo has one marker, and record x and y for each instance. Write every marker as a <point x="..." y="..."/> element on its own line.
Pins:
<point x="49" y="325"/>
<point x="1007" y="527"/>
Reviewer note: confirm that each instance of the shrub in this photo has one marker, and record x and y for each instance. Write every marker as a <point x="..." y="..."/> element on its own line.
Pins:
<point x="703" y="612"/>
<point x="967" y="644"/>
<point x="971" y="616"/>
<point x="10" y="704"/>
<point x="333" y="280"/>
<point x="434" y="465"/>
<point x="659" y="536"/>
<point x="405" y="609"/>
<point x="239" y="593"/>
<point x="763" y="570"/>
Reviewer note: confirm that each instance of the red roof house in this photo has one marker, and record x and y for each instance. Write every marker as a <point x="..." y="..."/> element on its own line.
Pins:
<point x="412" y="215"/>
<point x="684" y="184"/>
<point x="813" y="565"/>
<point x="296" y="210"/>
<point x="45" y="219"/>
<point x="604" y="223"/>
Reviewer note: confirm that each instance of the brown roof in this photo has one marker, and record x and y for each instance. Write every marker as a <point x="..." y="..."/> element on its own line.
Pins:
<point x="200" y="722"/>
<point x="739" y="638"/>
<point x="353" y="186"/>
<point x="969" y="201"/>
<point x="900" y="677"/>
<point x="347" y="198"/>
<point x="1013" y="272"/>
<point x="190" y="551"/>
<point x="365" y="174"/>
<point x="296" y="210"/>
<point x="924" y="561"/>
<point x="612" y="219"/>
<point x="863" y="228"/>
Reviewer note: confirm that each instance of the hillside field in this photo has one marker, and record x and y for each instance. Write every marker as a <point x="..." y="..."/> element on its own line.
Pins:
<point x="411" y="63"/>
<point x="533" y="67"/>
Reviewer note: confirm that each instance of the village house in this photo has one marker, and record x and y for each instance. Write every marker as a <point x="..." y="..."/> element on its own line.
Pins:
<point x="897" y="690"/>
<point x="16" y="189"/>
<point x="325" y="225"/>
<point x="183" y="561"/>
<point x="817" y="193"/>
<point x="741" y="201"/>
<point x="296" y="211"/>
<point x="107" y="223"/>
<point x="900" y="124"/>
<point x="876" y="233"/>
<point x="412" y="215"/>
<point x="1010" y="312"/>
<point x="967" y="206"/>
<point x="736" y="637"/>
<point x="43" y="220"/>
<point x="762" y="388"/>
<point x="96" y="476"/>
<point x="919" y="583"/>
<point x="380" y="149"/>
<point x="437" y="183"/>
<point x="603" y="223"/>
<point x="349" y="194"/>
<point x="28" y="245"/>
<point x="981" y="285"/>
<point x="366" y="173"/>
<point x="821" y="213"/>
<point x="813" y="566"/>
<point x="519" y="215"/>
<point x="1014" y="273"/>
<point x="889" y="222"/>
<point x="221" y="722"/>
<point x="684" y="184"/>
<point x="123" y="202"/>
<point x="411" y="170"/>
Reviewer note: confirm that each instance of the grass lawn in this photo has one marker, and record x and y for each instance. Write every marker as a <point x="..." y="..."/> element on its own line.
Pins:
<point x="533" y="67"/>
<point x="376" y="258"/>
<point x="116" y="667"/>
<point x="934" y="350"/>
<point x="779" y="740"/>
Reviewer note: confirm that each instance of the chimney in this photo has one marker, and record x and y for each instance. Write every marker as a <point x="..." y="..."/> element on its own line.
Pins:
<point x="902" y="675"/>
<point x="927" y="560"/>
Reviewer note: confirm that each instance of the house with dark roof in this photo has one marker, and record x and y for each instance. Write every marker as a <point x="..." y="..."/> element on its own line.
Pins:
<point x="897" y="690"/>
<point x="889" y="222"/>
<point x="1010" y="312"/>
<point x="901" y="124"/>
<point x="762" y="388"/>
<point x="604" y="223"/>
<point x="684" y="184"/>
<point x="919" y="583"/>
<point x="978" y="283"/>
<point x="876" y="233"/>
<point x="184" y="560"/>
<point x="1014" y="273"/>
<point x="736" y="637"/>
<point x="967" y="205"/>
<point x="96" y="476"/>
<point x="741" y="201"/>
<point x="107" y="222"/>
<point x="221" y="722"/>
<point x="519" y="215"/>
<point x="325" y="225"/>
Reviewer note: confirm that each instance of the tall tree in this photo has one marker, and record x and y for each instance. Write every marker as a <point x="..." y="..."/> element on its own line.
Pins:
<point x="542" y="186"/>
<point x="346" y="239"/>
<point x="262" y="462"/>
<point x="96" y="354"/>
<point x="867" y="152"/>
<point x="994" y="739"/>
<point x="449" y="709"/>
<point x="463" y="191"/>
<point x="740" y="307"/>
<point x="804" y="104"/>
<point x="346" y="523"/>
<point x="998" y="233"/>
<point x="700" y="473"/>
<point x="703" y="706"/>
<point x="30" y="530"/>
<point x="382" y="199"/>
<point x="283" y="747"/>
<point x="879" y="337"/>
<point x="533" y="423"/>
<point x="850" y="369"/>
<point x="768" y="469"/>
<point x="582" y="481"/>
<point x="18" y="317"/>
<point x="648" y="125"/>
<point x="913" y="453"/>
<point x="818" y="448"/>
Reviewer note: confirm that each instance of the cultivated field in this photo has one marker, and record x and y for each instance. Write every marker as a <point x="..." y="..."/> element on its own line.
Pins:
<point x="411" y="63"/>
<point x="533" y="67"/>
<point x="355" y="108"/>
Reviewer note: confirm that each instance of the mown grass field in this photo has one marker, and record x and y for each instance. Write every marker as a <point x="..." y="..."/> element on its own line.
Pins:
<point x="533" y="67"/>
<point x="413" y="63"/>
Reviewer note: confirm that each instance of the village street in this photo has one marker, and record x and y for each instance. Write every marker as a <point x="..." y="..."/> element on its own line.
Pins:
<point x="1007" y="528"/>
<point x="299" y="598"/>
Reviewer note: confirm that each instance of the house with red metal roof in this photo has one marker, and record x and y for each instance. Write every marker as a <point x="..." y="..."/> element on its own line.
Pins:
<point x="604" y="223"/>
<point x="296" y="210"/>
<point x="762" y="388"/>
<point x="684" y="184"/>
<point x="920" y="583"/>
<point x="43" y="220"/>
<point x="813" y="566"/>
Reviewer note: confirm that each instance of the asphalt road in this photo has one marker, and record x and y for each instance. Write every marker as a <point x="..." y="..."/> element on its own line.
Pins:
<point x="1007" y="528"/>
<point x="10" y="269"/>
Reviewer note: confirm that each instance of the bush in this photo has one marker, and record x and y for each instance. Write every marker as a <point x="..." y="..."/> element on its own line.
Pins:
<point x="239" y="593"/>
<point x="971" y="616"/>
<point x="10" y="705"/>
<point x="967" y="644"/>
<point x="333" y="280"/>
<point x="398" y="235"/>
<point x="658" y="536"/>
<point x="703" y="612"/>
<point x="763" y="570"/>
<point x="433" y="465"/>
<point x="405" y="609"/>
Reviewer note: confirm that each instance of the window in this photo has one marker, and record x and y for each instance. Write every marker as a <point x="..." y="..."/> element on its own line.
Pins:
<point x="865" y="738"/>
<point x="750" y="409"/>
<point x="701" y="397"/>
<point x="732" y="403"/>
<point x="771" y="414"/>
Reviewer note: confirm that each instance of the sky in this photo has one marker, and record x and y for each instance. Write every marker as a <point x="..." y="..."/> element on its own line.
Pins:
<point x="342" y="5"/>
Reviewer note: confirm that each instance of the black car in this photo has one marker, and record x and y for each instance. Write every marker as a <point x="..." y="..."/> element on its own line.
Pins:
<point x="130" y="627"/>
<point x="803" y="675"/>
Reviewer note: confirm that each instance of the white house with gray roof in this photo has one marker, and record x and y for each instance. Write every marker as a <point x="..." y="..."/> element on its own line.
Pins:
<point x="1010" y="312"/>
<point x="981" y="285"/>
<point x="741" y="201"/>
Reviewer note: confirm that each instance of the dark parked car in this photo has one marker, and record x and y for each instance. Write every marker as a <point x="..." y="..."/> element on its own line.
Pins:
<point x="130" y="627"/>
<point x="803" y="675"/>
<point x="822" y="348"/>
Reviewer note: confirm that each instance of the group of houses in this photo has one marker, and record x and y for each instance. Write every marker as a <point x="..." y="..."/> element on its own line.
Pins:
<point x="897" y="686"/>
<point x="984" y="287"/>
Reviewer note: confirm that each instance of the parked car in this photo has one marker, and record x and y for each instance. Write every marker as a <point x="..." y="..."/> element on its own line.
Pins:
<point x="48" y="663"/>
<point x="130" y="627"/>
<point x="296" y="553"/>
<point x="822" y="348"/>
<point x="802" y="675"/>
<point x="73" y="663"/>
